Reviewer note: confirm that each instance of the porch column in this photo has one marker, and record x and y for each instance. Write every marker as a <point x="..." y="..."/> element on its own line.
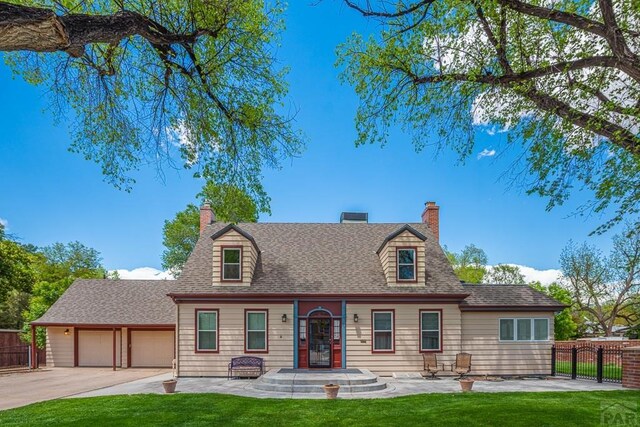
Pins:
<point x="34" y="349"/>
<point x="296" y="333"/>
<point x="344" y="334"/>
<point x="114" y="349"/>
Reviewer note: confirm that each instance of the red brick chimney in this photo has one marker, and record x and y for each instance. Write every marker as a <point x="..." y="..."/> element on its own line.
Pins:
<point x="431" y="217"/>
<point x="206" y="216"/>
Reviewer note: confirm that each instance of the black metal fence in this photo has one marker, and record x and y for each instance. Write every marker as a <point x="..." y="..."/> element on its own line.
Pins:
<point x="601" y="363"/>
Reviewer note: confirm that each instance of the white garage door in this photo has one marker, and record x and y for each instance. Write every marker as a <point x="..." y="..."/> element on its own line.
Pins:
<point x="95" y="348"/>
<point x="151" y="349"/>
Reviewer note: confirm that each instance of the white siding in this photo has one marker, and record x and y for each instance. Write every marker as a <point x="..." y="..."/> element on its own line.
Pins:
<point x="407" y="356"/>
<point x="231" y="341"/>
<point x="480" y="337"/>
<point x="59" y="347"/>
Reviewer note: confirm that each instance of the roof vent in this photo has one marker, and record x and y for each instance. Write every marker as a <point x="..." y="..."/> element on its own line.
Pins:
<point x="354" y="217"/>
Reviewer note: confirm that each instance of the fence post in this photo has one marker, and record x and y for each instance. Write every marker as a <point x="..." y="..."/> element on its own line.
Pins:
<point x="600" y="364"/>
<point x="574" y="362"/>
<point x="29" y="358"/>
<point x="553" y="360"/>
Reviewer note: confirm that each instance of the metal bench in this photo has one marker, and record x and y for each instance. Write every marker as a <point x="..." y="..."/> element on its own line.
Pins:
<point x="245" y="367"/>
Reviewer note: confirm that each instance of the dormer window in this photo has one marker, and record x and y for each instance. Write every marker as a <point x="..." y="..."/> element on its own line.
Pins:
<point x="406" y="264"/>
<point x="232" y="264"/>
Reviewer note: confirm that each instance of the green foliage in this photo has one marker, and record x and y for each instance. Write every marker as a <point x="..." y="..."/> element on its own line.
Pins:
<point x="15" y="268"/>
<point x="212" y="101"/>
<point x="56" y="268"/>
<point x="11" y="309"/>
<point x="450" y="409"/>
<point x="469" y="264"/>
<point x="504" y="274"/>
<point x="565" y="325"/>
<point x="229" y="203"/>
<point x="445" y="71"/>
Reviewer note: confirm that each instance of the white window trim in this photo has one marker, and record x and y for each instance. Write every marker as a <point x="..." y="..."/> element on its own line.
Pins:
<point x="198" y="330"/>
<point x="392" y="330"/>
<point x="533" y="332"/>
<point x="414" y="263"/>
<point x="426" y="350"/>
<point x="266" y="326"/>
<point x="239" y="264"/>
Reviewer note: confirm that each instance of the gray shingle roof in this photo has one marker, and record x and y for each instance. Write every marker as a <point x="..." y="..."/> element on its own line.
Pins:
<point x="317" y="259"/>
<point x="114" y="302"/>
<point x="508" y="296"/>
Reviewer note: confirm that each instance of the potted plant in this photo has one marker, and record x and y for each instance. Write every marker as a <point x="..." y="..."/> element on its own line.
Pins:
<point x="170" y="385"/>
<point x="466" y="384"/>
<point x="331" y="390"/>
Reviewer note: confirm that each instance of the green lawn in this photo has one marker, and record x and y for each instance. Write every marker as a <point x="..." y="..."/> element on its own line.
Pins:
<point x="611" y="371"/>
<point x="513" y="409"/>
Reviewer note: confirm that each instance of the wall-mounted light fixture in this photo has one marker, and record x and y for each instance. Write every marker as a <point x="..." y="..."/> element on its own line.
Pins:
<point x="284" y="318"/>
<point x="355" y="318"/>
<point x="66" y="331"/>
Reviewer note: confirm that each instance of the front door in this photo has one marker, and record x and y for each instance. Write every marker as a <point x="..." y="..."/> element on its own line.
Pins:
<point x="320" y="343"/>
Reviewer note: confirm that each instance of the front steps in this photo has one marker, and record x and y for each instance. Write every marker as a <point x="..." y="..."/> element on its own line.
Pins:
<point x="311" y="381"/>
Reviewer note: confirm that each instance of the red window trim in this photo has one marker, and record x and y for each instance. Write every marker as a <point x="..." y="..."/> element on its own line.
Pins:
<point x="217" y="311"/>
<point x="393" y="330"/>
<point x="222" y="248"/>
<point x="432" y="310"/>
<point x="415" y="264"/>
<point x="266" y="332"/>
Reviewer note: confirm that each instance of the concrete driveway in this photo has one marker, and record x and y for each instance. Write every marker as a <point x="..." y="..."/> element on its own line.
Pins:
<point x="24" y="388"/>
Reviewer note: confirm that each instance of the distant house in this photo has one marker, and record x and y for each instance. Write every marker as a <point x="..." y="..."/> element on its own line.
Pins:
<point x="348" y="294"/>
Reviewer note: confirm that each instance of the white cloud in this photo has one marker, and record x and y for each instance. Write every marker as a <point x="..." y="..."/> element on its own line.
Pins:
<point x="546" y="277"/>
<point x="486" y="153"/>
<point x="143" y="273"/>
<point x="4" y="222"/>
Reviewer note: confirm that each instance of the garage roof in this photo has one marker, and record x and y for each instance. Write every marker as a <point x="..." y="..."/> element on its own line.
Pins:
<point x="113" y="302"/>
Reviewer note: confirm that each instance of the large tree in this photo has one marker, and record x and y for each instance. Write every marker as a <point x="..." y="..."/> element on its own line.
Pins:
<point x="56" y="269"/>
<point x="504" y="274"/>
<point x="229" y="203"/>
<point x="565" y="324"/>
<point x="150" y="80"/>
<point x="469" y="264"/>
<point x="561" y="79"/>
<point x="605" y="288"/>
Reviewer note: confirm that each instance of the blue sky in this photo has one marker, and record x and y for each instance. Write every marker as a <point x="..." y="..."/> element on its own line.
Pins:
<point x="48" y="194"/>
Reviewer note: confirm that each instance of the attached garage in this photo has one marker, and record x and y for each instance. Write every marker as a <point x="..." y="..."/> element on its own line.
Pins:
<point x="80" y="325"/>
<point x="151" y="348"/>
<point x="96" y="347"/>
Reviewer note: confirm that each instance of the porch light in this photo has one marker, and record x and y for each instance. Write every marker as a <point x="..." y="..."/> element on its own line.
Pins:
<point x="66" y="331"/>
<point x="284" y="318"/>
<point x="355" y="318"/>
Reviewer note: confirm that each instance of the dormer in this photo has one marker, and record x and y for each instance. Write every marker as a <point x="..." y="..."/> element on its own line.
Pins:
<point x="402" y="257"/>
<point x="235" y="255"/>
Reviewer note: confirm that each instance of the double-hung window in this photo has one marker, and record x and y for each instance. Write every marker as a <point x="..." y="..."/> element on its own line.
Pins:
<point x="524" y="329"/>
<point x="382" y="331"/>
<point x="232" y="264"/>
<point x="430" y="331"/>
<point x="256" y="336"/>
<point x="406" y="264"/>
<point x="207" y="330"/>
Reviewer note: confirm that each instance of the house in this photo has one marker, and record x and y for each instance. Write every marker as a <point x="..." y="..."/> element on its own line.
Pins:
<point x="348" y="294"/>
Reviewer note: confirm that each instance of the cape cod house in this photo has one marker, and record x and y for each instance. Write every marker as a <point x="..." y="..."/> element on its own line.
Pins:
<point x="349" y="294"/>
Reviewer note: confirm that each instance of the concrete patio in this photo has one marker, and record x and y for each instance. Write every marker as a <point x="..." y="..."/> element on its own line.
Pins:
<point x="395" y="387"/>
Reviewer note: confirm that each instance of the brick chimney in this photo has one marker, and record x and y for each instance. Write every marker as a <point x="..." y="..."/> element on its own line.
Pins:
<point x="431" y="217"/>
<point x="206" y="216"/>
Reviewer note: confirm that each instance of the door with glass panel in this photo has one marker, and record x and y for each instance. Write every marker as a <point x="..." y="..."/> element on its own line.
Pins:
<point x="320" y="343"/>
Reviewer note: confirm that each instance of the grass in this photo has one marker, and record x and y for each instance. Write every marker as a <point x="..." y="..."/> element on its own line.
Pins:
<point x="611" y="370"/>
<point x="513" y="409"/>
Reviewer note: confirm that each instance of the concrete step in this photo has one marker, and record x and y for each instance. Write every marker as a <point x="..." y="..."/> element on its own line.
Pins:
<point x="281" y="388"/>
<point x="311" y="381"/>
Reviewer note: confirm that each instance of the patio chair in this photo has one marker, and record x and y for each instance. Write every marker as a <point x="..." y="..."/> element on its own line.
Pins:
<point x="430" y="364"/>
<point x="462" y="365"/>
